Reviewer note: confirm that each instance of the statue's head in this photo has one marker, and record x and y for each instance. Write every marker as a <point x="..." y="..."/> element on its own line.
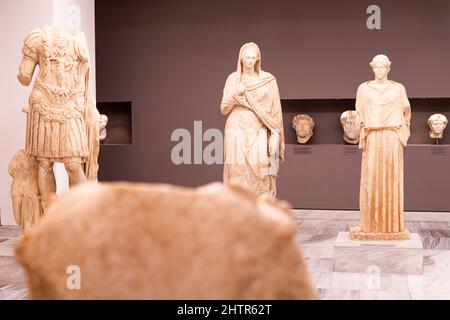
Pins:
<point x="103" y="121"/>
<point x="351" y="124"/>
<point x="381" y="65"/>
<point x="303" y="125"/>
<point x="250" y="57"/>
<point x="437" y="123"/>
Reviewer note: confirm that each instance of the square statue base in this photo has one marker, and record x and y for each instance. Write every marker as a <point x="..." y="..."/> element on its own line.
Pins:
<point x="390" y="256"/>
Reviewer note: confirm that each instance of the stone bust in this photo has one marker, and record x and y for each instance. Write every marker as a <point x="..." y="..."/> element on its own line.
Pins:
<point x="437" y="123"/>
<point x="103" y="123"/>
<point x="351" y="124"/>
<point x="303" y="125"/>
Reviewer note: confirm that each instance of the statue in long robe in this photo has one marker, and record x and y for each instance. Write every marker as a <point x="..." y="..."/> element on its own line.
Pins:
<point x="254" y="137"/>
<point x="385" y="114"/>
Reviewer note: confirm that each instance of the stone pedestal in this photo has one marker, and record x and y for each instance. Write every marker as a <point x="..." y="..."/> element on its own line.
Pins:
<point x="400" y="256"/>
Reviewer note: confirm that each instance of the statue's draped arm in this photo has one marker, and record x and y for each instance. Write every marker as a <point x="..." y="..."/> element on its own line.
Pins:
<point x="230" y="97"/>
<point x="91" y="116"/>
<point x="359" y="108"/>
<point x="272" y="121"/>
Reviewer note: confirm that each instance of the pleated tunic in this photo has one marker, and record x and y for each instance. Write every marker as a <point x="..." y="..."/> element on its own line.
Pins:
<point x="385" y="115"/>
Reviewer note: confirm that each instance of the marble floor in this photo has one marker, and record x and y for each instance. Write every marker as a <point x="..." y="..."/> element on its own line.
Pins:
<point x="318" y="230"/>
<point x="12" y="276"/>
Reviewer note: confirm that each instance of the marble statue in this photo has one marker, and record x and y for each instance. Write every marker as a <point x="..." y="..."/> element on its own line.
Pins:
<point x="254" y="137"/>
<point x="351" y="125"/>
<point x="212" y="242"/>
<point x="103" y="124"/>
<point x="385" y="119"/>
<point x="26" y="201"/>
<point x="303" y="125"/>
<point x="62" y="119"/>
<point x="437" y="123"/>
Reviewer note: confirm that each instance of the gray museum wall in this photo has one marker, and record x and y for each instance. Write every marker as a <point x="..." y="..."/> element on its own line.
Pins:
<point x="170" y="59"/>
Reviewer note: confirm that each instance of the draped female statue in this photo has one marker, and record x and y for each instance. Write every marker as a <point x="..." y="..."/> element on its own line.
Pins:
<point x="254" y="137"/>
<point x="385" y="115"/>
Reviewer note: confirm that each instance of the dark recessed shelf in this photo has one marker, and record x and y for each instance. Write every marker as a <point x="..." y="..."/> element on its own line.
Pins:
<point x="325" y="172"/>
<point x="326" y="114"/>
<point x="119" y="128"/>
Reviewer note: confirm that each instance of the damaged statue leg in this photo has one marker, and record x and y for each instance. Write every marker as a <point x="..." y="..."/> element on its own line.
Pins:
<point x="17" y="208"/>
<point x="75" y="171"/>
<point x="46" y="182"/>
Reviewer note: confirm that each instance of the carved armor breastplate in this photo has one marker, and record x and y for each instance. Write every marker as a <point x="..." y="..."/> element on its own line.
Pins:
<point x="60" y="79"/>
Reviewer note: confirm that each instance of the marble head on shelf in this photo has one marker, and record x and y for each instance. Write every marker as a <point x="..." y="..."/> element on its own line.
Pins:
<point x="437" y="123"/>
<point x="103" y="122"/>
<point x="351" y="124"/>
<point x="303" y="125"/>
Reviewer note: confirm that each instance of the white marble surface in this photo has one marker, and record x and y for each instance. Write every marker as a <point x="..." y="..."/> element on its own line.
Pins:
<point x="332" y="294"/>
<point x="319" y="229"/>
<point x="10" y="292"/>
<point x="384" y="295"/>
<point x="317" y="232"/>
<point x="437" y="262"/>
<point x="354" y="215"/>
<point x="7" y="247"/>
<point x="378" y="256"/>
<point x="429" y="295"/>
<point x="429" y="282"/>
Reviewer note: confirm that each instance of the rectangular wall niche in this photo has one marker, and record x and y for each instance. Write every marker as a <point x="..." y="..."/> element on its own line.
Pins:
<point x="325" y="173"/>
<point x="326" y="114"/>
<point x="119" y="128"/>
